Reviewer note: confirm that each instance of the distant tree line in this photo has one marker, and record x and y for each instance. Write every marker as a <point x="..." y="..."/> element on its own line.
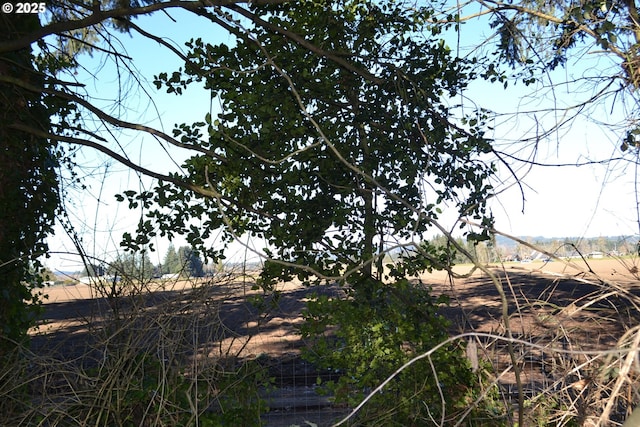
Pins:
<point x="489" y="251"/>
<point x="445" y="254"/>
<point x="184" y="262"/>
<point x="575" y="246"/>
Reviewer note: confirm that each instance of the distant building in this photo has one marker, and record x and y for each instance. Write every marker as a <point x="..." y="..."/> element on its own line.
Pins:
<point x="98" y="280"/>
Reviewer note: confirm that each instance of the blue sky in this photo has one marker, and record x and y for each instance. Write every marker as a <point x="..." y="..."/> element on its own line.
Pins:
<point x="590" y="200"/>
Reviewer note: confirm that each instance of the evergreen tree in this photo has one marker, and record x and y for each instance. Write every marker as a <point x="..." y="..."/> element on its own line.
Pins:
<point x="190" y="261"/>
<point x="135" y="266"/>
<point x="171" y="263"/>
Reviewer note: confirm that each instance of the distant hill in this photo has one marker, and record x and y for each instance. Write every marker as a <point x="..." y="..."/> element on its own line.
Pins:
<point x="608" y="244"/>
<point x="504" y="241"/>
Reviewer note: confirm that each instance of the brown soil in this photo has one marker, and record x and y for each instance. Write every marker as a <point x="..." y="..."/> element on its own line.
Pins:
<point x="554" y="282"/>
<point x="576" y="306"/>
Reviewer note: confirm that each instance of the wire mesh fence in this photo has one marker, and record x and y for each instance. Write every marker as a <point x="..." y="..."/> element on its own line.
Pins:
<point x="222" y="351"/>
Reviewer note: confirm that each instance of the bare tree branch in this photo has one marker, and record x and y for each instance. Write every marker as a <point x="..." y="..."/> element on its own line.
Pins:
<point x="110" y="119"/>
<point x="98" y="16"/>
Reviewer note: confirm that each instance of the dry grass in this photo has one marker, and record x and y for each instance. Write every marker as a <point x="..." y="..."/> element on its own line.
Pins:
<point x="154" y="355"/>
<point x="574" y="332"/>
<point x="185" y="352"/>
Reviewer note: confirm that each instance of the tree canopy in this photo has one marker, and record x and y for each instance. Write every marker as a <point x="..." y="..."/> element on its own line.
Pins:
<point x="171" y="263"/>
<point x="537" y="37"/>
<point x="343" y="131"/>
<point x="326" y="157"/>
<point x="71" y="30"/>
<point x="337" y="127"/>
<point x="184" y="261"/>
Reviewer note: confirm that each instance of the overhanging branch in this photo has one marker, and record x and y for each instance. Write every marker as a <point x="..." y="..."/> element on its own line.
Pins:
<point x="108" y="118"/>
<point x="99" y="16"/>
<point x="198" y="189"/>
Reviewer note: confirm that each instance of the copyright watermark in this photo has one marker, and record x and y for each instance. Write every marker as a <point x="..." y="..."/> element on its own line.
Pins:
<point x="23" y="8"/>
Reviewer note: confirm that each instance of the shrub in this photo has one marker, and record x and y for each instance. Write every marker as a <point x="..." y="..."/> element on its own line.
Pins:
<point x="367" y="338"/>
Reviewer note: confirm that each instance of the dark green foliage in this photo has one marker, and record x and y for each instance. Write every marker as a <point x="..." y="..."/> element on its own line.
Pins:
<point x="373" y="339"/>
<point x="171" y="263"/>
<point x="190" y="263"/>
<point x="28" y="184"/>
<point x="185" y="262"/>
<point x="325" y="155"/>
